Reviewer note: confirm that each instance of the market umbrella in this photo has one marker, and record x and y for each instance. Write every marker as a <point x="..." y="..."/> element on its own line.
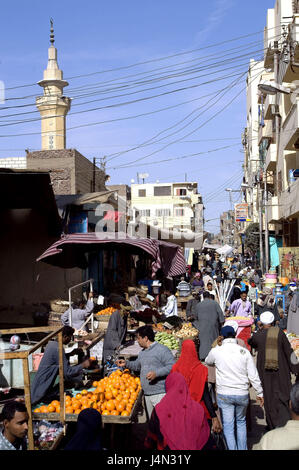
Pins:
<point x="71" y="251"/>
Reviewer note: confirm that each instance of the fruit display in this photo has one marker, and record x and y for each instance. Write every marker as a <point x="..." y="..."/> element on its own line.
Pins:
<point x="242" y="321"/>
<point x="80" y="333"/>
<point x="187" y="331"/>
<point x="167" y="339"/>
<point x="112" y="396"/>
<point x="106" y="311"/>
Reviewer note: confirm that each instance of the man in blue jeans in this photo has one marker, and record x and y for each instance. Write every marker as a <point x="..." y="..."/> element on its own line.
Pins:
<point x="235" y="370"/>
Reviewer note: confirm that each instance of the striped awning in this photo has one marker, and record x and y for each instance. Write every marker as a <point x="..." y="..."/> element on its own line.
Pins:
<point x="70" y="251"/>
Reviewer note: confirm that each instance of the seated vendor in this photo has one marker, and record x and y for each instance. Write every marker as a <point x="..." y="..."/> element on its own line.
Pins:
<point x="136" y="302"/>
<point x="171" y="308"/>
<point x="116" y="330"/>
<point x="43" y="385"/>
<point x="79" y="313"/>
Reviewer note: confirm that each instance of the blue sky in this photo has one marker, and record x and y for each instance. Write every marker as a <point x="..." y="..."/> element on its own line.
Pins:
<point x="97" y="36"/>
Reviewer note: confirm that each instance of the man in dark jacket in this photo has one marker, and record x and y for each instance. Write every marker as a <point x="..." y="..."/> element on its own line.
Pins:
<point x="43" y="383"/>
<point x="275" y="362"/>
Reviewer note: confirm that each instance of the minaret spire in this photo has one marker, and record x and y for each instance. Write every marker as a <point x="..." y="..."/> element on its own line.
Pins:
<point x="52" y="32"/>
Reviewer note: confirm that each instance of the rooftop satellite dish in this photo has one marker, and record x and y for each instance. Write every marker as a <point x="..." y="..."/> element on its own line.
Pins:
<point x="143" y="176"/>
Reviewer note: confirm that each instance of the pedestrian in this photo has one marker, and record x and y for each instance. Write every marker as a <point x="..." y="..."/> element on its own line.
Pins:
<point x="116" y="330"/>
<point x="235" y="326"/>
<point x="285" y="437"/>
<point x="79" y="314"/>
<point x="235" y="370"/>
<point x="207" y="277"/>
<point x="191" y="305"/>
<point x="252" y="296"/>
<point x="266" y="303"/>
<point x="171" y="307"/>
<point x="236" y="291"/>
<point x="154" y="363"/>
<point x="209" y="319"/>
<point x="14" y="417"/>
<point x="197" y="280"/>
<point x="196" y="376"/>
<point x="275" y="362"/>
<point x="43" y="386"/>
<point x="293" y="315"/>
<point x="88" y="434"/>
<point x="178" y="422"/>
<point x="256" y="279"/>
<point x="184" y="288"/>
<point x="211" y="290"/>
<point x="241" y="307"/>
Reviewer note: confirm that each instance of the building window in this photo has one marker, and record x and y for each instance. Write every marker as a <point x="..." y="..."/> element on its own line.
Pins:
<point x="141" y="193"/>
<point x="143" y="213"/>
<point x="181" y="192"/>
<point x="162" y="212"/>
<point x="179" y="212"/>
<point x="162" y="190"/>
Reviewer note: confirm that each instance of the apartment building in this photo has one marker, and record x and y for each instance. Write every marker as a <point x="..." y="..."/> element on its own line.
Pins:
<point x="172" y="206"/>
<point x="271" y="136"/>
<point x="229" y="230"/>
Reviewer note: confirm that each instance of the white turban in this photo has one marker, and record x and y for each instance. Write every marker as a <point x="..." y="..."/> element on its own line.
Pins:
<point x="233" y="324"/>
<point x="267" y="318"/>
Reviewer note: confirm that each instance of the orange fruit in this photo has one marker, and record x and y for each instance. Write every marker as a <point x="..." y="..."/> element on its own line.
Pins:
<point x="69" y="410"/>
<point x="58" y="409"/>
<point x="105" y="412"/>
<point x="95" y="383"/>
<point x="108" y="395"/>
<point x="51" y="408"/>
<point x="78" y="396"/>
<point x="55" y="403"/>
<point x="120" y="407"/>
<point x="44" y="409"/>
<point x="77" y="411"/>
<point x="124" y="413"/>
<point x="110" y="405"/>
<point x="76" y="405"/>
<point x="114" y="413"/>
<point x="84" y="392"/>
<point x="37" y="410"/>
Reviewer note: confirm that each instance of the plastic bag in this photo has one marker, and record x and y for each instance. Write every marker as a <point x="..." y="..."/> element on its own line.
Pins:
<point x="219" y="440"/>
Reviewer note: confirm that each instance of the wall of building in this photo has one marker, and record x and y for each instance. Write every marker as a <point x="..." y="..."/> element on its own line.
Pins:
<point x="26" y="284"/>
<point x="71" y="172"/>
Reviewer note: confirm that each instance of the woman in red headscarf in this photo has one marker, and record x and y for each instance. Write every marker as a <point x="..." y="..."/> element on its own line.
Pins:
<point x="177" y="422"/>
<point x="196" y="376"/>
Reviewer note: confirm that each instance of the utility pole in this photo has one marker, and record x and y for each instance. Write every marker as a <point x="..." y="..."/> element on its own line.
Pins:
<point x="260" y="226"/>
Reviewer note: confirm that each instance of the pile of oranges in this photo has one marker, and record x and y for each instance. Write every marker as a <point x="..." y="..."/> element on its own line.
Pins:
<point x="114" y="395"/>
<point x="107" y="311"/>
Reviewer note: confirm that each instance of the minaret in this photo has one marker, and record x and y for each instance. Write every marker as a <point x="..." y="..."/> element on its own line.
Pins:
<point x="53" y="106"/>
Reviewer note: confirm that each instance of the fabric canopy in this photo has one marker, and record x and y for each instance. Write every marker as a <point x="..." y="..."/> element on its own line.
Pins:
<point x="225" y="250"/>
<point x="70" y="251"/>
